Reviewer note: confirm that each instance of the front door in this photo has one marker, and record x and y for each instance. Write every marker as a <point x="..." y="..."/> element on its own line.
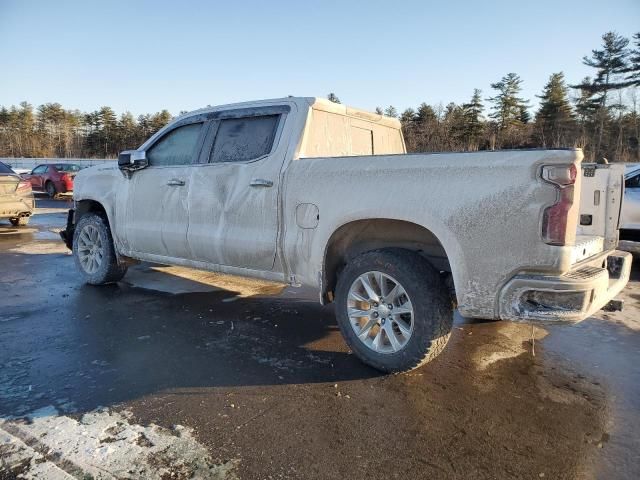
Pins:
<point x="36" y="176"/>
<point x="157" y="214"/>
<point x="233" y="203"/>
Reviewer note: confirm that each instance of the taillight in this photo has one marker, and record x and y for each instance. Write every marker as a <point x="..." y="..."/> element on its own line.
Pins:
<point x="24" y="186"/>
<point x="555" y="218"/>
<point x="65" y="177"/>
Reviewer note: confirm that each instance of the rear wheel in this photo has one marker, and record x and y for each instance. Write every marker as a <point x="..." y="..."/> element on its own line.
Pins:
<point x="393" y="309"/>
<point x="94" y="252"/>
<point x="19" y="222"/>
<point x="50" y="188"/>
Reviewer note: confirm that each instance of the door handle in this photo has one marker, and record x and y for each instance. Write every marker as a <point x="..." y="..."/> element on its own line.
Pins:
<point x="174" y="182"/>
<point x="261" y="182"/>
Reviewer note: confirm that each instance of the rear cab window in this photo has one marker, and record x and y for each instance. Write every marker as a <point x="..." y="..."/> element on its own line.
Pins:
<point x="244" y="139"/>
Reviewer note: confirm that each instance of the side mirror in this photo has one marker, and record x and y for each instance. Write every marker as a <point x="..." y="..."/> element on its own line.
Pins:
<point x="132" y="160"/>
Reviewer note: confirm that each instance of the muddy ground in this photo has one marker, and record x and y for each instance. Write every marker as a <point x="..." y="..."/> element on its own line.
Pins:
<point x="177" y="374"/>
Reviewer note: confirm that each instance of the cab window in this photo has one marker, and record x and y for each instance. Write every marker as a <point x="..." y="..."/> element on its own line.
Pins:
<point x="244" y="139"/>
<point x="177" y="147"/>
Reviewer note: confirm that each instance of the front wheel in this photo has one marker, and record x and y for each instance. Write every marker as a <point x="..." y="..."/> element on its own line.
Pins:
<point x="393" y="309"/>
<point x="94" y="252"/>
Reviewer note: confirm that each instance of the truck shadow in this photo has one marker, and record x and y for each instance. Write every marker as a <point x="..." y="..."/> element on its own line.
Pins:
<point x="75" y="346"/>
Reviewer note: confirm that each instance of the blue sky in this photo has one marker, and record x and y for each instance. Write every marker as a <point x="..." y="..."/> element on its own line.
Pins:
<point x="143" y="56"/>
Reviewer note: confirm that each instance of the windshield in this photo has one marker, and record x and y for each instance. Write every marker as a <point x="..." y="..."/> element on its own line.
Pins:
<point x="67" y="167"/>
<point x="5" y="168"/>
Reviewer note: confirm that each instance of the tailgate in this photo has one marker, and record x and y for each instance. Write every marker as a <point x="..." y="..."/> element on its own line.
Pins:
<point x="601" y="192"/>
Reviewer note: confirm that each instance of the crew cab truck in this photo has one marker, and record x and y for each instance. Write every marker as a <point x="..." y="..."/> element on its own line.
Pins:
<point x="309" y="192"/>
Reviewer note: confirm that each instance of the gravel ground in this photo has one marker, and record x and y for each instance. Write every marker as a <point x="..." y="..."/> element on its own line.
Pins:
<point x="174" y="373"/>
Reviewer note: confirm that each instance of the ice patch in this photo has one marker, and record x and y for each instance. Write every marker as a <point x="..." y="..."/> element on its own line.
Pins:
<point x="41" y="248"/>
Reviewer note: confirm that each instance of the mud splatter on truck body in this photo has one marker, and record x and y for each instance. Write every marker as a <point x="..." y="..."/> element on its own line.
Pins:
<point x="294" y="189"/>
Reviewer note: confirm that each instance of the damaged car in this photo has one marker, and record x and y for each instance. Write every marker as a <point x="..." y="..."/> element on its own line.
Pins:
<point x="309" y="192"/>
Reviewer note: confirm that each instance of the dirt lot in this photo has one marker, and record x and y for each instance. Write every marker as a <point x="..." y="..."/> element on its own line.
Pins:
<point x="178" y="374"/>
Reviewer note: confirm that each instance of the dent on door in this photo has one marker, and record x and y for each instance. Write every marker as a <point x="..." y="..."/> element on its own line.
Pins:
<point x="232" y="222"/>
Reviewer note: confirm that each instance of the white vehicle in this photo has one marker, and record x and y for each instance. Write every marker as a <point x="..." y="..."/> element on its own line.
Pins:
<point x="630" y="218"/>
<point x="304" y="191"/>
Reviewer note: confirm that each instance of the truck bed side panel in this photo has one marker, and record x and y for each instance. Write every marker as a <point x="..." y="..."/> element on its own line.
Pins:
<point x="485" y="208"/>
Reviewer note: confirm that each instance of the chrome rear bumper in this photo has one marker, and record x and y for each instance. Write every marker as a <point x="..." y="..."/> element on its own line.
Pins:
<point x="571" y="297"/>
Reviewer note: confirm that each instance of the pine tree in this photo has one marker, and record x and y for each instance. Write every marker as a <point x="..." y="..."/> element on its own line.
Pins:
<point x="473" y="124"/>
<point x="391" y="111"/>
<point x="554" y="118"/>
<point x="408" y="122"/>
<point x="159" y="120"/>
<point x="633" y="69"/>
<point x="108" y="122"/>
<point x="509" y="111"/>
<point x="426" y="113"/>
<point x="610" y="62"/>
<point x="586" y="105"/>
<point x="507" y="105"/>
<point x="408" y="116"/>
<point x="333" y="98"/>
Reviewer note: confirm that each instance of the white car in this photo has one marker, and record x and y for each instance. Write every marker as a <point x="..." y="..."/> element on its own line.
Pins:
<point x="309" y="192"/>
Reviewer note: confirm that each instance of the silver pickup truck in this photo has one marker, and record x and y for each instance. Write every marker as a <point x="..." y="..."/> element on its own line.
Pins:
<point x="308" y="192"/>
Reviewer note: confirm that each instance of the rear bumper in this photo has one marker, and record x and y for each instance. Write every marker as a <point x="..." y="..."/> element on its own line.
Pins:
<point x="16" y="207"/>
<point x="571" y="297"/>
<point x="64" y="187"/>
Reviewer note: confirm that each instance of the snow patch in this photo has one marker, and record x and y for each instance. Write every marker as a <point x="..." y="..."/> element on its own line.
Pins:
<point x="103" y="444"/>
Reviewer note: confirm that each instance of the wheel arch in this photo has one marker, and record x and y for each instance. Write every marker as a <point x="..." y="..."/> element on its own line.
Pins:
<point x="88" y="205"/>
<point x="359" y="236"/>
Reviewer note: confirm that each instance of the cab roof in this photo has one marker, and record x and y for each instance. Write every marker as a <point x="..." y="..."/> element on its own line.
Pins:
<point x="317" y="103"/>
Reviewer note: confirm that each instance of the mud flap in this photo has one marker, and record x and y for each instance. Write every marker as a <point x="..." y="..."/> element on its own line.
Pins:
<point x="67" y="235"/>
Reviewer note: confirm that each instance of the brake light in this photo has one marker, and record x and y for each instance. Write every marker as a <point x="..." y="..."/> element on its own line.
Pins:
<point x="65" y="177"/>
<point x="24" y="186"/>
<point x="555" y="218"/>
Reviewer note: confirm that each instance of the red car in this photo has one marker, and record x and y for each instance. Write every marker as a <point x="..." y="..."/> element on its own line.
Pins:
<point x="53" y="178"/>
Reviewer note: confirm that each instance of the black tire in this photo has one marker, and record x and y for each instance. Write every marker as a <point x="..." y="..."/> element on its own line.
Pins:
<point x="50" y="188"/>
<point x="20" y="221"/>
<point x="109" y="270"/>
<point x="432" y="306"/>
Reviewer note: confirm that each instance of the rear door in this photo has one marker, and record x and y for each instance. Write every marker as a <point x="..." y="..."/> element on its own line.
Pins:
<point x="157" y="215"/>
<point x="233" y="202"/>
